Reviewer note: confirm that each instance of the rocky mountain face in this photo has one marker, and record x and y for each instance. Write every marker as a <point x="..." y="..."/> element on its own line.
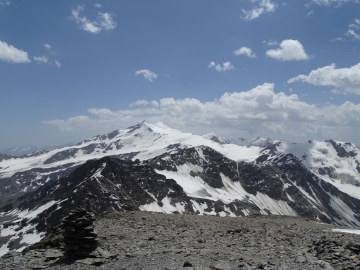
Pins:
<point x="335" y="162"/>
<point x="283" y="187"/>
<point x="142" y="141"/>
<point x="155" y="168"/>
<point x="197" y="180"/>
<point x="4" y="157"/>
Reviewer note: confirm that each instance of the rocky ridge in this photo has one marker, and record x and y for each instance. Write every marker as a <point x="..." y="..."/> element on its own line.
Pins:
<point x="224" y="188"/>
<point x="144" y="240"/>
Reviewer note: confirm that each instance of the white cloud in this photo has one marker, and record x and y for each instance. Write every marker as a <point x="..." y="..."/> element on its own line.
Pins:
<point x="271" y="42"/>
<point x="259" y="109"/>
<point x="337" y="92"/>
<point x="224" y="67"/>
<point x="154" y="103"/>
<point x="104" y="21"/>
<point x="352" y="29"/>
<point x="5" y="3"/>
<point x="47" y="46"/>
<point x="289" y="50"/>
<point x="355" y="25"/>
<point x="57" y="64"/>
<point x="140" y="102"/>
<point x="352" y="33"/>
<point x="338" y="39"/>
<point x="41" y="59"/>
<point x="344" y="79"/>
<point x="148" y="74"/>
<point x="264" y="6"/>
<point x="97" y="5"/>
<point x="12" y="55"/>
<point x="336" y="3"/>
<point x="245" y="51"/>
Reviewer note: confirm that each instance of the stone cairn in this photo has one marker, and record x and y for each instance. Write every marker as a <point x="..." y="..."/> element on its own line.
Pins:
<point x="79" y="236"/>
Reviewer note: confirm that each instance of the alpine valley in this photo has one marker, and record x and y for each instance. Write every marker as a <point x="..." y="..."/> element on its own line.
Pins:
<point x="151" y="167"/>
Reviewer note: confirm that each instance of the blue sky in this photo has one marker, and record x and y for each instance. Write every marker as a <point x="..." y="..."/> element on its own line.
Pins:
<point x="285" y="69"/>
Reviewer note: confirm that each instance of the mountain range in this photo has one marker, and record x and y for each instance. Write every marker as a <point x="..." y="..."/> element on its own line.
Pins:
<point x="19" y="151"/>
<point x="152" y="167"/>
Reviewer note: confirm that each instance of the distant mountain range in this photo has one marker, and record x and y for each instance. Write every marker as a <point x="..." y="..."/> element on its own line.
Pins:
<point x="258" y="141"/>
<point x="151" y="167"/>
<point x="19" y="151"/>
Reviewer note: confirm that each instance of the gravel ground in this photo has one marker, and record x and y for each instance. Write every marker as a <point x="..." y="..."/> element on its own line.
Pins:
<point x="144" y="240"/>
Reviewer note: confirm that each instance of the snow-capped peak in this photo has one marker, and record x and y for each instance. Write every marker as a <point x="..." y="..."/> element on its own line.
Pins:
<point x="335" y="162"/>
<point x="142" y="141"/>
<point x="216" y="138"/>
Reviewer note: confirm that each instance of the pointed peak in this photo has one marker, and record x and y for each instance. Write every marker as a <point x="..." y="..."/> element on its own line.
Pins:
<point x="138" y="126"/>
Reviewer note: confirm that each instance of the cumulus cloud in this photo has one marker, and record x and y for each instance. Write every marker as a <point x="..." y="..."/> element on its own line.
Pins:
<point x="263" y="6"/>
<point x="12" y="55"/>
<point x="343" y="79"/>
<point x="289" y="50"/>
<point x="97" y="5"/>
<point x="47" y="46"/>
<point x="260" y="108"/>
<point x="336" y="3"/>
<point x="103" y="21"/>
<point x="148" y="74"/>
<point x="245" y="51"/>
<point x="41" y="59"/>
<point x="224" y="67"/>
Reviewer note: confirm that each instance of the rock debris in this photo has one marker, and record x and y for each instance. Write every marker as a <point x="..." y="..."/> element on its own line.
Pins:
<point x="155" y="241"/>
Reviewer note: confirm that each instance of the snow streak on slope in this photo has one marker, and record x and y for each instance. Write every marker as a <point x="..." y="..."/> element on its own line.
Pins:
<point x="22" y="228"/>
<point x="194" y="186"/>
<point x="346" y="231"/>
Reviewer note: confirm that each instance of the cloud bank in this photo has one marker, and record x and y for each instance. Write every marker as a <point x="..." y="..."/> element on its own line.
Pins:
<point x="257" y="109"/>
<point x="12" y="55"/>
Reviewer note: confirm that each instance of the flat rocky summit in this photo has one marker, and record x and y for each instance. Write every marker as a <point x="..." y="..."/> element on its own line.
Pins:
<point x="145" y="240"/>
